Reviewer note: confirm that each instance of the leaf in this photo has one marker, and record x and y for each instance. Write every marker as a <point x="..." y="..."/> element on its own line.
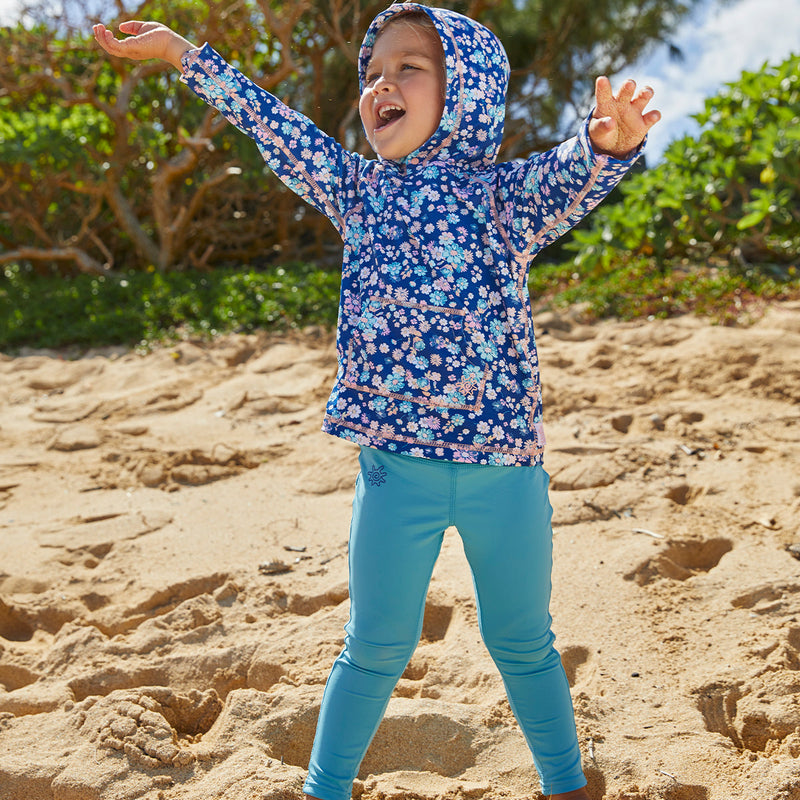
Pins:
<point x="751" y="219"/>
<point x="768" y="174"/>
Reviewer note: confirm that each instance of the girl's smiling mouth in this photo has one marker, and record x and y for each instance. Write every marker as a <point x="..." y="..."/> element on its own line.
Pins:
<point x="386" y="114"/>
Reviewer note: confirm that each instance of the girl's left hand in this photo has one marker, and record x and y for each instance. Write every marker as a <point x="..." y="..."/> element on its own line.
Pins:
<point x="619" y="123"/>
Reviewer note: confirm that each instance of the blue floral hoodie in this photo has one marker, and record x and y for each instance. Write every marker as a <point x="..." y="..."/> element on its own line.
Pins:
<point x="435" y="339"/>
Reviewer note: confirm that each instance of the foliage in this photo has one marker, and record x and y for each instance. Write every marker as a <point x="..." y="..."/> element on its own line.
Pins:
<point x="115" y="169"/>
<point x="638" y="288"/>
<point x="557" y="50"/>
<point x="729" y="197"/>
<point x="118" y="162"/>
<point x="143" y="307"/>
<point x="107" y="165"/>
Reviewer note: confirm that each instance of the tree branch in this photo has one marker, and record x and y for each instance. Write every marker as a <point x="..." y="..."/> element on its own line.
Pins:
<point x="81" y="258"/>
<point x="130" y="224"/>
<point x="282" y="28"/>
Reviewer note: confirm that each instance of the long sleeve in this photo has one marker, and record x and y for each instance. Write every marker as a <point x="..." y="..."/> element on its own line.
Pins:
<point x="549" y="193"/>
<point x="311" y="163"/>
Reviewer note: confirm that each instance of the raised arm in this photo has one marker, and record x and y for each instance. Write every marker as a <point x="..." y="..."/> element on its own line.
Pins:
<point x="144" y="40"/>
<point x="309" y="162"/>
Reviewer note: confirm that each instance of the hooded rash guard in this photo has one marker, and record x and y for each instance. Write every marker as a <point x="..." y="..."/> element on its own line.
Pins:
<point x="435" y="341"/>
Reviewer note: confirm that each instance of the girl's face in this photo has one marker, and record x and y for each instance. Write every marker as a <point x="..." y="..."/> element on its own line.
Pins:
<point x="403" y="98"/>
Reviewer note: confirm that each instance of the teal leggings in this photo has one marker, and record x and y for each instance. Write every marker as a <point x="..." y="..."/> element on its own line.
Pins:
<point x="401" y="509"/>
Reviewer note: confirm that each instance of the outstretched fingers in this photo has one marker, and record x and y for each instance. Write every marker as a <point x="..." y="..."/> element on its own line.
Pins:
<point x="650" y="118"/>
<point x="620" y="122"/>
<point x="643" y="97"/>
<point x="106" y="39"/>
<point x="131" y="26"/>
<point x="143" y="40"/>
<point x="602" y="92"/>
<point x="627" y="93"/>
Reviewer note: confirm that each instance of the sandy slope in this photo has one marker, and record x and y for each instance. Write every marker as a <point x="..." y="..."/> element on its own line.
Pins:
<point x="152" y="647"/>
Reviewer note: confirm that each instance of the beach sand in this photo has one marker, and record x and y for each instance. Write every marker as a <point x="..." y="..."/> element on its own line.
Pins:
<point x="173" y="574"/>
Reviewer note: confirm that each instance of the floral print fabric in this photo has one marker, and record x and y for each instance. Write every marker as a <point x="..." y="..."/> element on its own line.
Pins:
<point x="435" y="340"/>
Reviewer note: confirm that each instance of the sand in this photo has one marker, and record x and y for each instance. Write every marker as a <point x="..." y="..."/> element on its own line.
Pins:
<point x="173" y="574"/>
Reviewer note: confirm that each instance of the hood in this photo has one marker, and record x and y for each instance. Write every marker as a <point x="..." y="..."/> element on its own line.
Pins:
<point x="471" y="129"/>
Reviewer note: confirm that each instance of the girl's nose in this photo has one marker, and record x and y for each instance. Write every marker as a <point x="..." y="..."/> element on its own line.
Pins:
<point x="380" y="85"/>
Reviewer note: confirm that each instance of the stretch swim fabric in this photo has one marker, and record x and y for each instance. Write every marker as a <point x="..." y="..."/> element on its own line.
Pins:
<point x="435" y="341"/>
<point x="394" y="544"/>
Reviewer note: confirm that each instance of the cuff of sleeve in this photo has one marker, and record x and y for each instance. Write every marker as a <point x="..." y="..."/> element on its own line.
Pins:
<point x="189" y="57"/>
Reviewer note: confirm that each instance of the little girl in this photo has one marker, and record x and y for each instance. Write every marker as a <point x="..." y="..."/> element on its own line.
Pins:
<point x="438" y="378"/>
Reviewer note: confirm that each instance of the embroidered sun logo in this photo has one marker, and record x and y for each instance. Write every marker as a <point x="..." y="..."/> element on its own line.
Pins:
<point x="376" y="476"/>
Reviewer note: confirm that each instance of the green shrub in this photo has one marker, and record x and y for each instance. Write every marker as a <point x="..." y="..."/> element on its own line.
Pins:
<point x="726" y="202"/>
<point x="86" y="311"/>
<point x="714" y="229"/>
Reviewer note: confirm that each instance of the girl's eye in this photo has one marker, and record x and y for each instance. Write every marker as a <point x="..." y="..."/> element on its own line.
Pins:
<point x="373" y="76"/>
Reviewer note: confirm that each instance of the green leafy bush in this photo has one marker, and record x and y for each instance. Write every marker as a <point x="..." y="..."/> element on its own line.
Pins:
<point x="726" y="201"/>
<point x="108" y="165"/>
<point x="637" y="287"/>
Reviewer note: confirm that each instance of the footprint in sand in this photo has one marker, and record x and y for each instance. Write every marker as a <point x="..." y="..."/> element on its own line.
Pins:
<point x="120" y="618"/>
<point x="197" y="467"/>
<point x="680" y="559"/>
<point x="286" y="721"/>
<point x="185" y="647"/>
<point x="574" y="660"/>
<point x="152" y="726"/>
<point x="727" y="366"/>
<point x="447" y="731"/>
<point x="759" y="715"/>
<point x="306" y="605"/>
<point x="168" y="396"/>
<point x="768" y="598"/>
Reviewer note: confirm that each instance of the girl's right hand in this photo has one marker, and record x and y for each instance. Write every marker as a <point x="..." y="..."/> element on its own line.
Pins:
<point x="145" y="40"/>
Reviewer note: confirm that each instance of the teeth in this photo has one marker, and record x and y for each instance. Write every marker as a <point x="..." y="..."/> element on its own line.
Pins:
<point x="388" y="112"/>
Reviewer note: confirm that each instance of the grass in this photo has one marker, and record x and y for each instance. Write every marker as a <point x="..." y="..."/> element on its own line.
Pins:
<point x="143" y="308"/>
